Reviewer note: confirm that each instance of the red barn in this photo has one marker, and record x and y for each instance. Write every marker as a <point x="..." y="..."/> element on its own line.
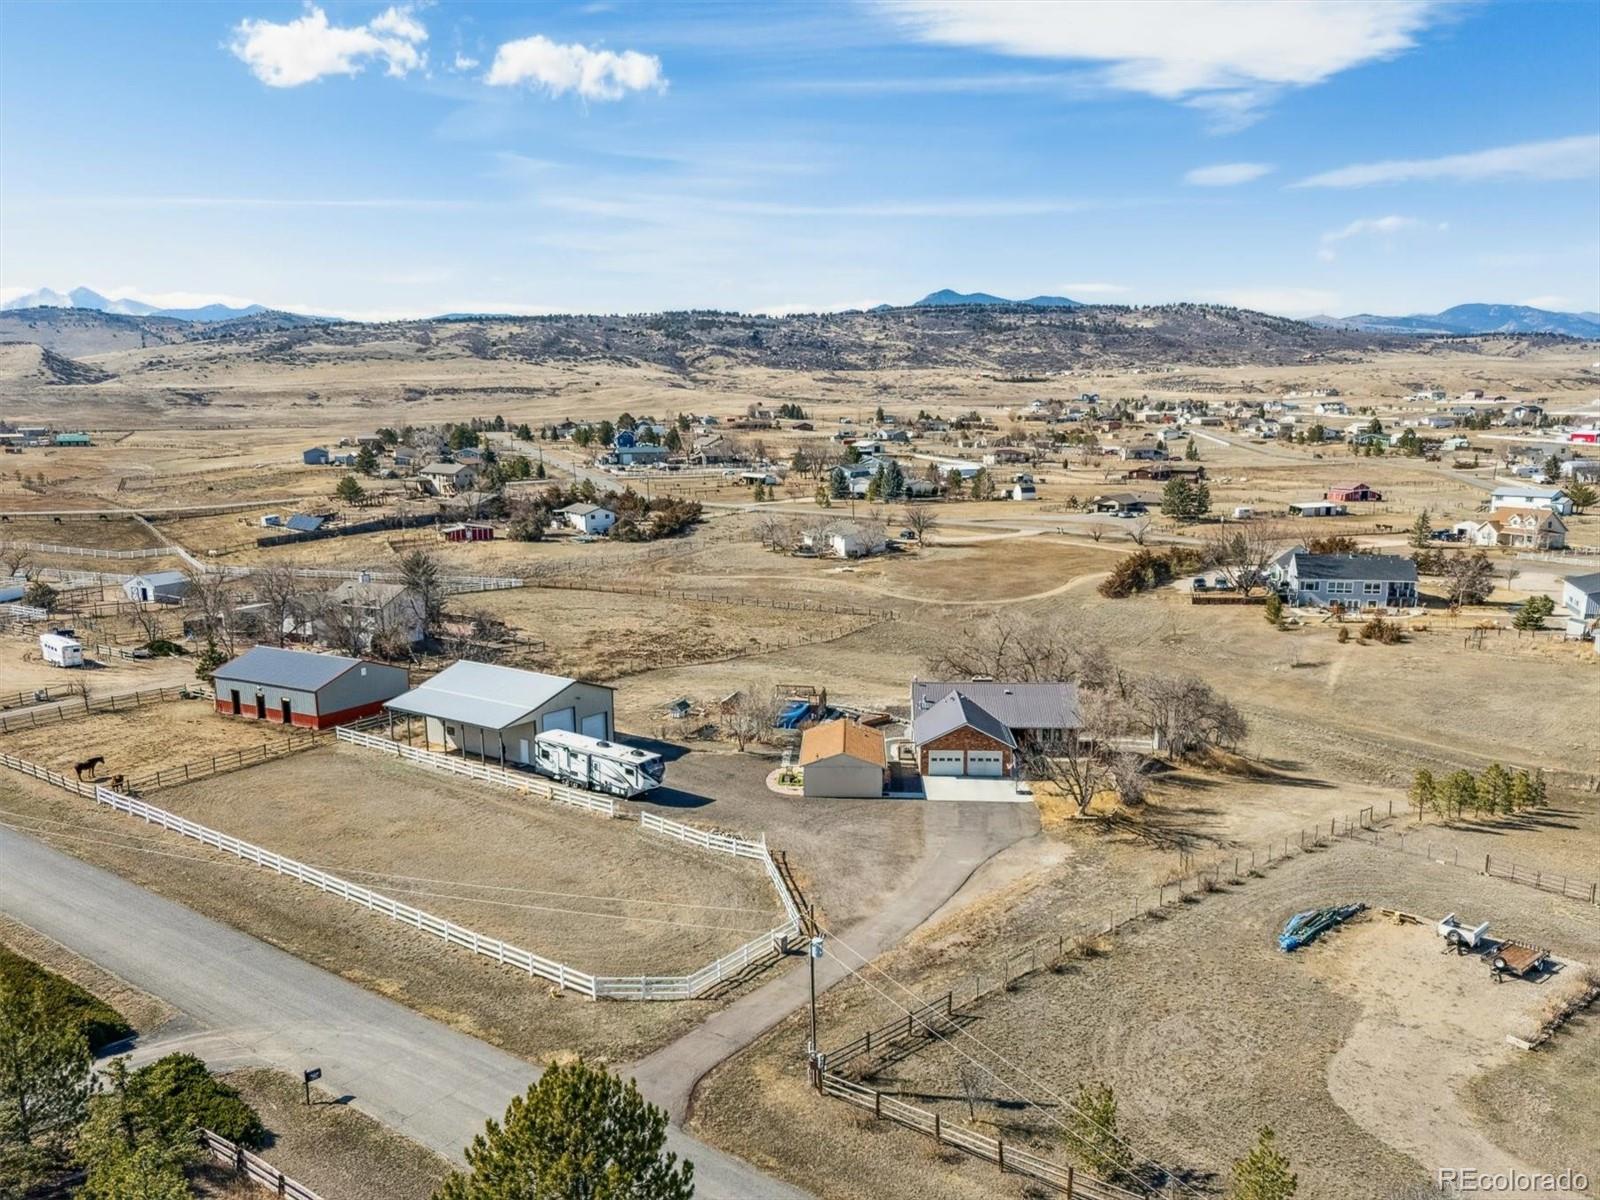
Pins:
<point x="1344" y="492"/>
<point x="468" y="531"/>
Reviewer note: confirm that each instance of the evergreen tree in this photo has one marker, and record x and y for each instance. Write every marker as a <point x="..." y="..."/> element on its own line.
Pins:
<point x="208" y="660"/>
<point x="1494" y="789"/>
<point x="579" y="1132"/>
<point x="1424" y="793"/>
<point x="1274" y="610"/>
<point x="605" y="433"/>
<point x="1192" y="452"/>
<point x="982" y="484"/>
<point x="1531" y="615"/>
<point x="350" y="490"/>
<point x="366" y="459"/>
<point x="952" y="483"/>
<point x="45" y="1087"/>
<point x="1092" y="1133"/>
<point x="1521" y="791"/>
<point x="894" y="480"/>
<point x="1264" y="1173"/>
<point x="1459" y="793"/>
<point x="838" y="484"/>
<point x="1200" y="501"/>
<point x="674" y="440"/>
<point x="1421" y="536"/>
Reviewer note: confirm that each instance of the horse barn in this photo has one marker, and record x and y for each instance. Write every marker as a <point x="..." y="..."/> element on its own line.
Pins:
<point x="468" y="531"/>
<point x="494" y="713"/>
<point x="301" y="688"/>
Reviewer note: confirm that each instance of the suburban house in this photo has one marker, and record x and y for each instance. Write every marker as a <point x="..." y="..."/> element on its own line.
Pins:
<point x="1530" y="496"/>
<point x="1160" y="472"/>
<point x="640" y="454"/>
<point x="1317" y="508"/>
<point x="314" y="457"/>
<point x="371" y="608"/>
<point x="845" y="540"/>
<point x="956" y="736"/>
<point x="495" y="713"/>
<point x="468" y="531"/>
<point x="1351" y="580"/>
<point x="1580" y="595"/>
<point x="843" y="759"/>
<point x="588" y="518"/>
<point x="1116" y="502"/>
<point x="1034" y="713"/>
<point x="164" y="587"/>
<point x="1532" y="528"/>
<point x="449" y="477"/>
<point x="1351" y="492"/>
<point x="299" y="688"/>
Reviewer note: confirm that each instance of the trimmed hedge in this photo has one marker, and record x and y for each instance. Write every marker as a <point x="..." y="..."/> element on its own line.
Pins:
<point x="101" y="1024"/>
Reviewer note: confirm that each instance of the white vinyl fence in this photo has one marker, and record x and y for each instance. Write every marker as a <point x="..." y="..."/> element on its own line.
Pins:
<point x="91" y="551"/>
<point x="522" y="781"/>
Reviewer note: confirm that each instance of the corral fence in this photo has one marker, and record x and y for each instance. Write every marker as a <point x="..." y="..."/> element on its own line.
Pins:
<point x="222" y="764"/>
<point x="1558" y="883"/>
<point x="450" y="764"/>
<point x="374" y="525"/>
<point x="67" y="710"/>
<point x="850" y="610"/>
<point x="27" y="699"/>
<point x="1010" y="1159"/>
<point x="90" y="551"/>
<point x="257" y="1170"/>
<point x="25" y="612"/>
<point x="45" y="775"/>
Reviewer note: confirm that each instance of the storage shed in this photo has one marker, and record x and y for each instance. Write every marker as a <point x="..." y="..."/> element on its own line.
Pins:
<point x="468" y="531"/>
<point x="167" y="587"/>
<point x="298" y="687"/>
<point x="494" y="713"/>
<point x="843" y="759"/>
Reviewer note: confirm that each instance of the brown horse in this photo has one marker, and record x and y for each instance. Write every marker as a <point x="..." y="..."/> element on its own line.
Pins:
<point x="90" y="764"/>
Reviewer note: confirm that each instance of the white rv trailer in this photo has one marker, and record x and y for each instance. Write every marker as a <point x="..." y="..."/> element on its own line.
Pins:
<point x="600" y="766"/>
<point x="59" y="650"/>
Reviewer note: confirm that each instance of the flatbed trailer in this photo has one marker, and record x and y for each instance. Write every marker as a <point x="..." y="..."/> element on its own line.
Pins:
<point x="1518" y="959"/>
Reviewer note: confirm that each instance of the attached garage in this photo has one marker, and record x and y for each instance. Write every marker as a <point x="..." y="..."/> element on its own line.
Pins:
<point x="957" y="736"/>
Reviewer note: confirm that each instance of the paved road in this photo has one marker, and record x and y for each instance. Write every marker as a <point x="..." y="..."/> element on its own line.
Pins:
<point x="247" y="1003"/>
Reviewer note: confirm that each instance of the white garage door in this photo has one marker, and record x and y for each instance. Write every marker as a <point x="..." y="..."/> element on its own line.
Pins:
<point x="562" y="718"/>
<point x="987" y="763"/>
<point x="946" y="762"/>
<point x="595" y="727"/>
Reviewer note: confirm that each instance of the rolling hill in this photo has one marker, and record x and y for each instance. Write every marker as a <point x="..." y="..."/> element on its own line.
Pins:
<point x="1472" y="319"/>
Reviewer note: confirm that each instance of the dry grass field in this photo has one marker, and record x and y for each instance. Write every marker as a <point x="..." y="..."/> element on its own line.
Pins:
<point x="141" y="740"/>
<point x="1362" y="1051"/>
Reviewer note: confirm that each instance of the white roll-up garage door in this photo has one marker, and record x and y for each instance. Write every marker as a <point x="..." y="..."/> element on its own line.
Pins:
<point x="595" y="726"/>
<point x="946" y="762"/>
<point x="562" y="718"/>
<point x="987" y="763"/>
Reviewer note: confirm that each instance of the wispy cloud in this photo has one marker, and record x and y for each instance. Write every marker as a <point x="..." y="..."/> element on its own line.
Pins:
<point x="290" y="53"/>
<point x="355" y="202"/>
<point x="556" y="69"/>
<point x="1226" y="174"/>
<point x="1384" y="227"/>
<point x="663" y="207"/>
<point x="1559" y="158"/>
<point x="1228" y="57"/>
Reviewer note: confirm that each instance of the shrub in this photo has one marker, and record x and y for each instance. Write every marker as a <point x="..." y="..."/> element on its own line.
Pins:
<point x="1385" y="633"/>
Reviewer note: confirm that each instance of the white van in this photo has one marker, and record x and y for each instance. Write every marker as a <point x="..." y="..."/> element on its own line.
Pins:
<point x="59" y="650"/>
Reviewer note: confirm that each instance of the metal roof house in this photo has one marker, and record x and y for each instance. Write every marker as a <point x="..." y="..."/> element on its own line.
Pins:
<point x="494" y="713"/>
<point x="1033" y="712"/>
<point x="957" y="736"/>
<point x="166" y="587"/>
<point x="299" y="688"/>
<point x="1351" y="580"/>
<point x="588" y="518"/>
<point x="843" y="759"/>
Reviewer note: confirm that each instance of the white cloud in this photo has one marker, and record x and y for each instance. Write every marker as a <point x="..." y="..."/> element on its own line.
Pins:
<point x="558" y="69"/>
<point x="1385" y="227"/>
<point x="1226" y="56"/>
<point x="291" y="53"/>
<point x="464" y="62"/>
<point x="1560" y="158"/>
<point x="1226" y="174"/>
<point x="1288" y="301"/>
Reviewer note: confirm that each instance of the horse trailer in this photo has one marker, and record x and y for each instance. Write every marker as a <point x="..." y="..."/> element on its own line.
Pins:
<point x="595" y="764"/>
<point x="59" y="650"/>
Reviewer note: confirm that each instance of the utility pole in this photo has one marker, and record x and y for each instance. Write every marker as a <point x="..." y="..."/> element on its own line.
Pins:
<point x="812" y="1050"/>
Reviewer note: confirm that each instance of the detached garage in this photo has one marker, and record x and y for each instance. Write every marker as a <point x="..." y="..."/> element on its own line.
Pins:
<point x="957" y="736"/>
<point x="842" y="759"/>
<point x="494" y="713"/>
<point x="298" y="687"/>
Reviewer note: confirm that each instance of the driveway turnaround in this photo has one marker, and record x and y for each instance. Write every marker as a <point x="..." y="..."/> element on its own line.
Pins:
<point x="245" y="1003"/>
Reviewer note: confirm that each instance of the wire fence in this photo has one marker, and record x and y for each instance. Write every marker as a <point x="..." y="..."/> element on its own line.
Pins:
<point x="258" y="1170"/>
<point x="27" y="699"/>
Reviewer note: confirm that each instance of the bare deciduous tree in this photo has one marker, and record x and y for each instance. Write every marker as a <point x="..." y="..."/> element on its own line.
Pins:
<point x="1139" y="530"/>
<point x="278" y="589"/>
<point x="921" y="519"/>
<point x="1183" y="713"/>
<point x="1242" y="553"/>
<point x="750" y="716"/>
<point x="1127" y="773"/>
<point x="17" y="561"/>
<point x="970" y="1082"/>
<point x="1009" y="649"/>
<point x="210" y="597"/>
<point x="422" y="575"/>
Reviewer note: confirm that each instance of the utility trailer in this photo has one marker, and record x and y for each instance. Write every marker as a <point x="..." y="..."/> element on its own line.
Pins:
<point x="1462" y="939"/>
<point x="595" y="764"/>
<point x="1517" y="959"/>
<point x="61" y="650"/>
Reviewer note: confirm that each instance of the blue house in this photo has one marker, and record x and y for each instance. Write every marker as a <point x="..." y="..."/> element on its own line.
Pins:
<point x="315" y="457"/>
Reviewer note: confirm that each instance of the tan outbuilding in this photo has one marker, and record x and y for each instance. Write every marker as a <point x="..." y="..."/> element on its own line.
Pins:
<point x="842" y="759"/>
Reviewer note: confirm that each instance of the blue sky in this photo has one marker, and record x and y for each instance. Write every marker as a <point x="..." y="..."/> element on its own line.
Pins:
<point x="369" y="160"/>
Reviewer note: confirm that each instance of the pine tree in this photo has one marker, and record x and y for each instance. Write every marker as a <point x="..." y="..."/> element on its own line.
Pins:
<point x="1274" y="612"/>
<point x="1176" y="499"/>
<point x="1421" y="532"/>
<point x="350" y="490"/>
<point x="581" y="1132"/>
<point x="1264" y="1173"/>
<point x="45" y="1087"/>
<point x="1192" y="451"/>
<point x="1494" y="789"/>
<point x="1092" y="1136"/>
<point x="838" y="484"/>
<point x="1424" y="793"/>
<point x="1521" y="791"/>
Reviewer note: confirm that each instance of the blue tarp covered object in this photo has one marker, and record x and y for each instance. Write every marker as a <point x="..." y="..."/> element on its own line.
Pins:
<point x="1305" y="928"/>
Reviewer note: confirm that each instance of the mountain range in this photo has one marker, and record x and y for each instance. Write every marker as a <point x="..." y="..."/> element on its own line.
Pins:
<point x="82" y="297"/>
<point x="1469" y="319"/>
<point x="947" y="298"/>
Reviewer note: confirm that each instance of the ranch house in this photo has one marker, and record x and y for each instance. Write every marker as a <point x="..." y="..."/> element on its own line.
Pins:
<point x="300" y="688"/>
<point x="494" y="713"/>
<point x="1351" y="580"/>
